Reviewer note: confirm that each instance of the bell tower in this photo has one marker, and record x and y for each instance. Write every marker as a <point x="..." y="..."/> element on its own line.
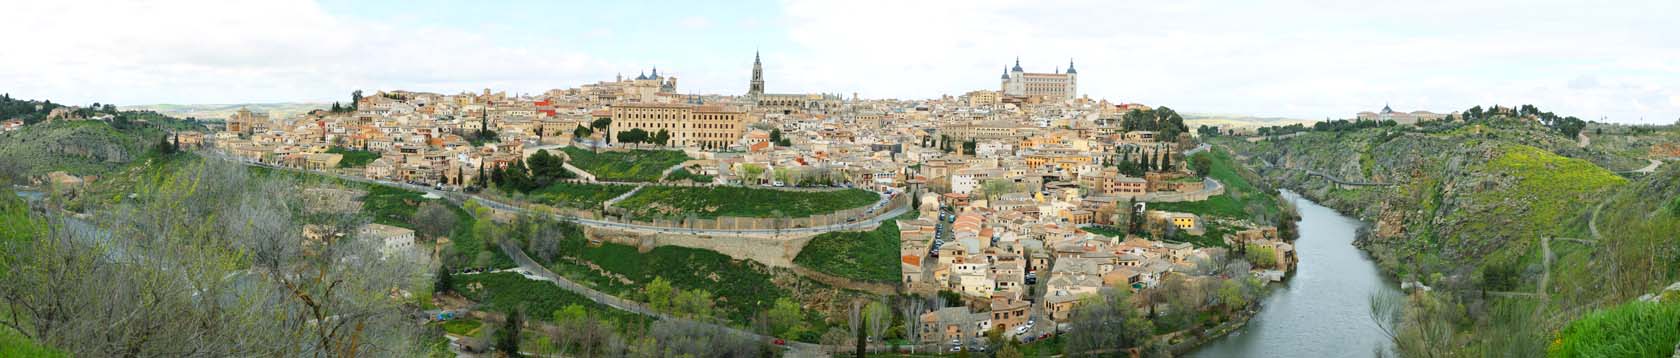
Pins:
<point x="757" y="86"/>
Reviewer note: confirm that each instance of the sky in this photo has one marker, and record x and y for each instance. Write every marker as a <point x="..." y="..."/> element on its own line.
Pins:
<point x="1617" y="61"/>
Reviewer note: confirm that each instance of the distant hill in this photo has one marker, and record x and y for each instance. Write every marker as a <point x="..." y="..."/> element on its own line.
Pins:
<point x="1239" y="120"/>
<point x="222" y="111"/>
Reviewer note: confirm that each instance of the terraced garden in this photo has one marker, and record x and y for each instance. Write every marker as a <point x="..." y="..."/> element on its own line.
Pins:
<point x="712" y="202"/>
<point x="631" y="165"/>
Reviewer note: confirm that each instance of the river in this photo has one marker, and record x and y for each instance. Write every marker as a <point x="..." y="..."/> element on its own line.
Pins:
<point x="1324" y="309"/>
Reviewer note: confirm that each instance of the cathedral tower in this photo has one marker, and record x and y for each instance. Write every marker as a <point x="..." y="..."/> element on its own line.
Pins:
<point x="757" y="85"/>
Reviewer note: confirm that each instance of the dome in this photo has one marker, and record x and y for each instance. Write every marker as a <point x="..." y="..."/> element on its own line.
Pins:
<point x="1017" y="65"/>
<point x="1005" y="72"/>
<point x="1070" y="67"/>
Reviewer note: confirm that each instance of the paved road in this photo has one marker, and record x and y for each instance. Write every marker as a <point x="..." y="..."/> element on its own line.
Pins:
<point x="1198" y="149"/>
<point x="1649" y="168"/>
<point x="858" y="225"/>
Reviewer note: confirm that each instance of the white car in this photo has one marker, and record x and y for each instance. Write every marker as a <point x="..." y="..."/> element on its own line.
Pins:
<point x="956" y="349"/>
<point x="1020" y="330"/>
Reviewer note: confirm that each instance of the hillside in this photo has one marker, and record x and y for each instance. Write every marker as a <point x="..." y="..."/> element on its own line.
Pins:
<point x="77" y="147"/>
<point x="1496" y="216"/>
<point x="1454" y="196"/>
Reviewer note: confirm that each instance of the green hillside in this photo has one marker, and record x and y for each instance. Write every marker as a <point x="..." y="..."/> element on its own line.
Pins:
<point x="1472" y="210"/>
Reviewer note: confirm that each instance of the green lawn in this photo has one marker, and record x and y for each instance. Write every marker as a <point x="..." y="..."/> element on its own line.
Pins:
<point x="464" y="327"/>
<point x="353" y="158"/>
<point x="633" y="165"/>
<point x="859" y="255"/>
<point x="712" y="202"/>
<point x="578" y="195"/>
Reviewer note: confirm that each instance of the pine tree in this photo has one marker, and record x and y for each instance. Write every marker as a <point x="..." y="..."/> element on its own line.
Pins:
<point x="445" y="282"/>
<point x="507" y="339"/>
<point x="1166" y="161"/>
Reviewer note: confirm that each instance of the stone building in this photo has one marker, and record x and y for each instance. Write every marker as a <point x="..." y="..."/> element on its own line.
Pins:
<point x="690" y="125"/>
<point x="1055" y="86"/>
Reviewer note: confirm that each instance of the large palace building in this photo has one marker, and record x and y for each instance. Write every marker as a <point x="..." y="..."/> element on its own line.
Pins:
<point x="702" y="126"/>
<point x="1054" y="86"/>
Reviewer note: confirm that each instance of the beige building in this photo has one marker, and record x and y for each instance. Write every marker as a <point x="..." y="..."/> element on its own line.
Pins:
<point x="1055" y="86"/>
<point x="243" y="121"/>
<point x="1388" y="114"/>
<point x="695" y="126"/>
<point x="982" y="98"/>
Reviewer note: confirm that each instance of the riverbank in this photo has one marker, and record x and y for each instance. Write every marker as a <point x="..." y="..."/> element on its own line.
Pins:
<point x="1326" y="300"/>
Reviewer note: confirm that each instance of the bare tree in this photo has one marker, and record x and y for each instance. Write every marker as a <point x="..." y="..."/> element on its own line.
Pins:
<point x="433" y="220"/>
<point x="876" y="318"/>
<point x="210" y="264"/>
<point x="912" y="310"/>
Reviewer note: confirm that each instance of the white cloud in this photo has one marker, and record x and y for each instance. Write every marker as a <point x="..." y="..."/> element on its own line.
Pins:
<point x="694" y="22"/>
<point x="252" y="51"/>
<point x="1298" y="58"/>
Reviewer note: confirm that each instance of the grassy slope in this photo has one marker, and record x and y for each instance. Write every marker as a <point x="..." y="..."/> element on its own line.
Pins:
<point x="506" y="291"/>
<point x="742" y="288"/>
<point x="1242" y="199"/>
<point x="577" y="195"/>
<point x="634" y="165"/>
<point x="354" y="158"/>
<point x="711" y="202"/>
<point x="78" y="147"/>
<point x="1638" y="329"/>
<point x="859" y="255"/>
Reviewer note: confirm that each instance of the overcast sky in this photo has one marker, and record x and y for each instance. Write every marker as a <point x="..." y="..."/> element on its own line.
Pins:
<point x="1306" y="59"/>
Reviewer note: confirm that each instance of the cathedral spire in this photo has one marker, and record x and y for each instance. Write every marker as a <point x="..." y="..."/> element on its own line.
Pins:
<point x="756" y="87"/>
<point x="1070" y="67"/>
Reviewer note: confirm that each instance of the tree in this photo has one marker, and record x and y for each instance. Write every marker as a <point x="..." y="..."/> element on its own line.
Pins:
<point x="445" y="282"/>
<point x="1104" y="323"/>
<point x="786" y="320"/>
<point x="433" y="220"/>
<point x="582" y="132"/>
<point x="659" y="293"/>
<point x="602" y="125"/>
<point x="911" y="309"/>
<point x="356" y="100"/>
<point x="546" y="169"/>
<point x="507" y="338"/>
<point x="995" y="188"/>
<point x="782" y="174"/>
<point x="661" y="137"/>
<point x="876" y="318"/>
<point x="1201" y="164"/>
<point x="164" y="148"/>
<point x="854" y="320"/>
<point x="1166" y="161"/>
<point x="1262" y="256"/>
<point x="751" y="173"/>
